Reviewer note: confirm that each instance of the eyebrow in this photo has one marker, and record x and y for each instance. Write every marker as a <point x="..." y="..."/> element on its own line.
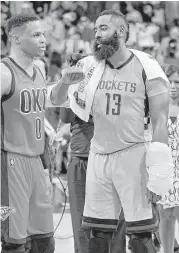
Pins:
<point x="100" y="26"/>
<point x="39" y="32"/>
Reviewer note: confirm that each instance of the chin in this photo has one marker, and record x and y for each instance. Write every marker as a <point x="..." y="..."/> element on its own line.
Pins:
<point x="174" y="97"/>
<point x="41" y="54"/>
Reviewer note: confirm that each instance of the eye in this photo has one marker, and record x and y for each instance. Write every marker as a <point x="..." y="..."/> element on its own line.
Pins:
<point x="103" y="28"/>
<point x="36" y="35"/>
<point x="176" y="83"/>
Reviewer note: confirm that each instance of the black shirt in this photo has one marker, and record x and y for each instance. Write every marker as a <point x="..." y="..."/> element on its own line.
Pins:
<point x="82" y="132"/>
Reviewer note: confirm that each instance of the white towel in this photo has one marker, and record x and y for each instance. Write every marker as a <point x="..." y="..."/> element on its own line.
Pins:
<point x="81" y="106"/>
<point x="150" y="65"/>
<point x="81" y="95"/>
<point x="160" y="168"/>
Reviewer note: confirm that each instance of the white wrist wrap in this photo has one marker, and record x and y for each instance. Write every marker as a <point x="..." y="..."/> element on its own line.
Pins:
<point x="160" y="168"/>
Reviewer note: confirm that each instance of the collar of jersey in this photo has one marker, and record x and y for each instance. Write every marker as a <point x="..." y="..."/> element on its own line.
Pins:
<point x="23" y="70"/>
<point x="122" y="65"/>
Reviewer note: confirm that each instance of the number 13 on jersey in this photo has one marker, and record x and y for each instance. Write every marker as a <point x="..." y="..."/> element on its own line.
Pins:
<point x="114" y="110"/>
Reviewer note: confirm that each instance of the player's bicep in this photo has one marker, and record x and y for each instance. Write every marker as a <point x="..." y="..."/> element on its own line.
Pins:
<point x="6" y="79"/>
<point x="159" y="107"/>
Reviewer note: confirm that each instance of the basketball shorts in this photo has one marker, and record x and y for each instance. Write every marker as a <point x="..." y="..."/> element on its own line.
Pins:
<point x="115" y="181"/>
<point x="24" y="187"/>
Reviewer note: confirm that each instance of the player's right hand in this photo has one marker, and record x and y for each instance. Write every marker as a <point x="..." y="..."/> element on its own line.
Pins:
<point x="73" y="58"/>
<point x="72" y="75"/>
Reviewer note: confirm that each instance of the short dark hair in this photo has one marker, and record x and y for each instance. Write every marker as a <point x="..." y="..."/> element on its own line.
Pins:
<point x="170" y="69"/>
<point x="19" y="21"/>
<point x="117" y="14"/>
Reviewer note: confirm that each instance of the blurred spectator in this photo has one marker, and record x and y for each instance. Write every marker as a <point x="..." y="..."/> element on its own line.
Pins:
<point x="147" y="11"/>
<point x="5" y="14"/>
<point x="169" y="48"/>
<point x="41" y="7"/>
<point x="86" y="28"/>
<point x="159" y="13"/>
<point x="147" y="34"/>
<point x="4" y="39"/>
<point x="75" y="44"/>
<point x="171" y="11"/>
<point x="133" y="14"/>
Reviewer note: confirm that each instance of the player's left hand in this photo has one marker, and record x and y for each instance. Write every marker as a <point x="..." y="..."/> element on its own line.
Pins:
<point x="152" y="197"/>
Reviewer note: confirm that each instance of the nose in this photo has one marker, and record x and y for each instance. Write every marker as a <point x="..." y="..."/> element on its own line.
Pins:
<point x="98" y="34"/>
<point x="173" y="85"/>
<point x="42" y="39"/>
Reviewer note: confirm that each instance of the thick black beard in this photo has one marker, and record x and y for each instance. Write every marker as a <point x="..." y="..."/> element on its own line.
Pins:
<point x="107" y="49"/>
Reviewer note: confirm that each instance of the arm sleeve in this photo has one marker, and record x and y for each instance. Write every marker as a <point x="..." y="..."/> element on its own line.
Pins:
<point x="156" y="87"/>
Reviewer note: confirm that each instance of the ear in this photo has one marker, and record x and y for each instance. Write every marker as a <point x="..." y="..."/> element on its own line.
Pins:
<point x="15" y="39"/>
<point x="121" y="31"/>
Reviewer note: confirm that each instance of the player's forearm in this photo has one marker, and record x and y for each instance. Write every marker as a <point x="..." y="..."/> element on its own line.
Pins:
<point x="160" y="130"/>
<point x="59" y="93"/>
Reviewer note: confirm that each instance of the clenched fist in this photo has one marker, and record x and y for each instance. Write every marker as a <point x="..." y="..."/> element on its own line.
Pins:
<point x="72" y="59"/>
<point x="72" y="75"/>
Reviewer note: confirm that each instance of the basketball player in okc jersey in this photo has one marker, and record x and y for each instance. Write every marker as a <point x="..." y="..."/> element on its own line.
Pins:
<point x="116" y="172"/>
<point x="24" y="185"/>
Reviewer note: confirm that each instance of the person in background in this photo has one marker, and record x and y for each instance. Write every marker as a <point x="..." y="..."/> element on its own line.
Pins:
<point x="169" y="48"/>
<point x="169" y="205"/>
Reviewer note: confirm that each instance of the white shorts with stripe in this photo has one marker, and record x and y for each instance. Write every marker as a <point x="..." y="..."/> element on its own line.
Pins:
<point x="116" y="181"/>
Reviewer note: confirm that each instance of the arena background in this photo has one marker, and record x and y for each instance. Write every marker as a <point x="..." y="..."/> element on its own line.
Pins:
<point x="154" y="28"/>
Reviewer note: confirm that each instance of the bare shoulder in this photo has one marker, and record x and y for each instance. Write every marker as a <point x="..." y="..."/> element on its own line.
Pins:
<point x="6" y="78"/>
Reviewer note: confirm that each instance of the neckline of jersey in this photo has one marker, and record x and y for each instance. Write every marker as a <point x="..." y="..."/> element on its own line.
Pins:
<point x="122" y="65"/>
<point x="173" y="119"/>
<point x="23" y="70"/>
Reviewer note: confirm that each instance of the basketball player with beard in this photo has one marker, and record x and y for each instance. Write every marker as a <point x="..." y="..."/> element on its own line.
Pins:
<point x="116" y="172"/>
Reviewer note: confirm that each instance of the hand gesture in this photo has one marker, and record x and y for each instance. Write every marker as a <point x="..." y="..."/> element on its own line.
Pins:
<point x="72" y="75"/>
<point x="72" y="59"/>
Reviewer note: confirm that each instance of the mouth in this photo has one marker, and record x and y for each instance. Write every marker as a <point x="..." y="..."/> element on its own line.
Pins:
<point x="101" y="44"/>
<point x="173" y="94"/>
<point x="98" y="43"/>
<point x="42" y="48"/>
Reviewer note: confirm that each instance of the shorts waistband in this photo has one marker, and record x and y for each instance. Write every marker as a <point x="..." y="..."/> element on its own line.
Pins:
<point x="122" y="150"/>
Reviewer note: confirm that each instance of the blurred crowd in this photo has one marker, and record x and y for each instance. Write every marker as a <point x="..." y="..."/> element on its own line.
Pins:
<point x="154" y="28"/>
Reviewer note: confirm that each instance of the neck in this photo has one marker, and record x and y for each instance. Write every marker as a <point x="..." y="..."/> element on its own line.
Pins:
<point x="174" y="108"/>
<point x="22" y="59"/>
<point x="174" y="101"/>
<point x="120" y="56"/>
